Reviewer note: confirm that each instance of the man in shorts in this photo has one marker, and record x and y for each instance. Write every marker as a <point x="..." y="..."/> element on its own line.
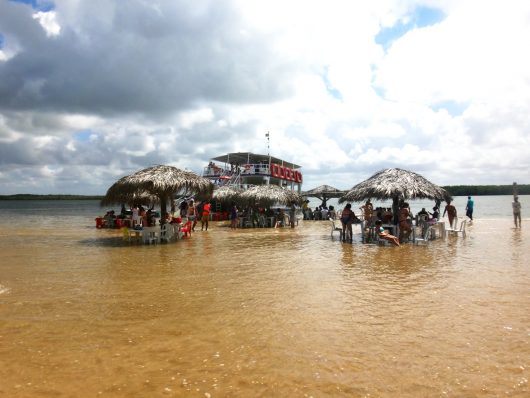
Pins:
<point x="205" y="215"/>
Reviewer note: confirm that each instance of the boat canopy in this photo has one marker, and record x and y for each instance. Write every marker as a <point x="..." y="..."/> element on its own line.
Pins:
<point x="252" y="158"/>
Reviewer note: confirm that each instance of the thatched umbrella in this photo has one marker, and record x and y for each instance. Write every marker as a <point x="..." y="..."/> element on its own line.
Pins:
<point x="114" y="195"/>
<point x="227" y="193"/>
<point x="395" y="184"/>
<point x="268" y="195"/>
<point x="161" y="181"/>
<point x="324" y="192"/>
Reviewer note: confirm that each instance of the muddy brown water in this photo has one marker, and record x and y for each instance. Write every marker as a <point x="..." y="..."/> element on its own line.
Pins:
<point x="261" y="313"/>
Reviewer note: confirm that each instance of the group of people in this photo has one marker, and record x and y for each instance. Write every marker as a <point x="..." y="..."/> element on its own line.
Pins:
<point x="257" y="216"/>
<point x="189" y="211"/>
<point x="140" y="217"/>
<point x="380" y="216"/>
<point x="322" y="212"/>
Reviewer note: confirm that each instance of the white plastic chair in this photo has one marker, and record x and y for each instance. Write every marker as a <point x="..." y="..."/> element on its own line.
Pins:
<point x="425" y="237"/>
<point x="151" y="235"/>
<point x="461" y="230"/>
<point x="335" y="227"/>
<point x="166" y="233"/>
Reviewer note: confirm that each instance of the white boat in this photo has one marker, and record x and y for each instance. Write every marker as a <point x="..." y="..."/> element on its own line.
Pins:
<point x="245" y="169"/>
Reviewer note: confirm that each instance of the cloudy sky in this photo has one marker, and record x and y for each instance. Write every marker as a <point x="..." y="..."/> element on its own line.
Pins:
<point x="91" y="90"/>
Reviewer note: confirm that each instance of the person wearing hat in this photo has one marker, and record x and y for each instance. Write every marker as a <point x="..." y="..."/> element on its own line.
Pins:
<point x="516" y="206"/>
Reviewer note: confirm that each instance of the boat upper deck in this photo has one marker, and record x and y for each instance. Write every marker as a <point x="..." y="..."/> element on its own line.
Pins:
<point x="250" y="168"/>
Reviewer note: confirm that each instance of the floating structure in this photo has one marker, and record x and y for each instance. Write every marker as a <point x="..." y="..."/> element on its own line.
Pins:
<point x="246" y="169"/>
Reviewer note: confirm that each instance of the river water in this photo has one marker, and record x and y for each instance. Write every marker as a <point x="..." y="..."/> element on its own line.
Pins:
<point x="261" y="312"/>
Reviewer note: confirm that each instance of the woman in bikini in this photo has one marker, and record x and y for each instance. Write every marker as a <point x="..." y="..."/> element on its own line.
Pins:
<point x="383" y="233"/>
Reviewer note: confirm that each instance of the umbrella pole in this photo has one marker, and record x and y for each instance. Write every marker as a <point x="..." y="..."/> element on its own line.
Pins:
<point x="395" y="209"/>
<point x="163" y="209"/>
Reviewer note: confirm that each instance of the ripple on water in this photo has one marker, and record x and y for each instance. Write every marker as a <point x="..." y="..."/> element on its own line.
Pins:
<point x="287" y="312"/>
<point x="4" y="289"/>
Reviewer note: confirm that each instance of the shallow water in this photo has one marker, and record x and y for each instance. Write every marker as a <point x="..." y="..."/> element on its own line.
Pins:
<point x="265" y="312"/>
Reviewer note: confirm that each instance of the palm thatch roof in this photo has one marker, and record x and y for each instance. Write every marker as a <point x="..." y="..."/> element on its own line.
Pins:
<point x="227" y="193"/>
<point x="163" y="182"/>
<point x="269" y="195"/>
<point x="114" y="196"/>
<point x="395" y="184"/>
<point x="324" y="191"/>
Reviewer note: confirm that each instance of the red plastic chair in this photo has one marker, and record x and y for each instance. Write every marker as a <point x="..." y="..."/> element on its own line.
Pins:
<point x="186" y="229"/>
<point x="100" y="223"/>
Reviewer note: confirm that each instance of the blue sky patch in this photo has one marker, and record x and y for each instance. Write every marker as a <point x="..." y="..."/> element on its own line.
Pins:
<point x="38" y="5"/>
<point x="1" y="41"/>
<point x="83" y="135"/>
<point x="419" y="18"/>
<point x="452" y="107"/>
<point x="329" y="87"/>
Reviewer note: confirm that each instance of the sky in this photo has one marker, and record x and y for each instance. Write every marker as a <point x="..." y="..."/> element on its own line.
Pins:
<point x="94" y="90"/>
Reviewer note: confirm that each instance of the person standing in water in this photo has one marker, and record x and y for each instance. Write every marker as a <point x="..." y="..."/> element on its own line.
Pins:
<point x="451" y="213"/>
<point x="469" y="208"/>
<point x="205" y="215"/>
<point x="516" y="206"/>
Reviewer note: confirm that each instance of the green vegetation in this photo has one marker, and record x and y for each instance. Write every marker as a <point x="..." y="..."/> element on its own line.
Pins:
<point x="49" y="197"/>
<point x="455" y="190"/>
<point x="481" y="190"/>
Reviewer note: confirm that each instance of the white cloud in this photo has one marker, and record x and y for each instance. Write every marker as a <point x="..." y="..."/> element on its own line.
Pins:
<point x="48" y="22"/>
<point x="99" y="88"/>
<point x="189" y="119"/>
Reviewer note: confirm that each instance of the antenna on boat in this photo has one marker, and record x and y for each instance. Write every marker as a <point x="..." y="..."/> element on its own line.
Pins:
<point x="268" y="143"/>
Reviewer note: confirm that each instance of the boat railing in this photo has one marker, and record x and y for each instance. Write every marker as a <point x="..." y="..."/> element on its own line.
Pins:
<point x="255" y="169"/>
<point x="244" y="170"/>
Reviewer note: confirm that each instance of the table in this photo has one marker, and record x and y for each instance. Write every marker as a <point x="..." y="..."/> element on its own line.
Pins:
<point x="147" y="234"/>
<point x="440" y="227"/>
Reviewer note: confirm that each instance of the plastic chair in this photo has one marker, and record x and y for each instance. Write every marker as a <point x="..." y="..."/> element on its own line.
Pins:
<point x="151" y="235"/>
<point x="461" y="230"/>
<point x="125" y="233"/>
<point x="186" y="229"/>
<point x="166" y="233"/>
<point x="423" y="238"/>
<point x="381" y="241"/>
<point x="335" y="228"/>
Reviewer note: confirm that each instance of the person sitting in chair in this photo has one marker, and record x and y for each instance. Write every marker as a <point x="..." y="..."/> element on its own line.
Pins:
<point x="423" y="212"/>
<point x="383" y="233"/>
<point x="435" y="215"/>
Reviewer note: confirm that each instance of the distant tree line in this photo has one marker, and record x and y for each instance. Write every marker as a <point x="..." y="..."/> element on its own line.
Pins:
<point x="482" y="190"/>
<point x="49" y="197"/>
<point x="455" y="190"/>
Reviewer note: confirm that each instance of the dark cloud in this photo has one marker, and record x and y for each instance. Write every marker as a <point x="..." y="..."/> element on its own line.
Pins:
<point x="142" y="60"/>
